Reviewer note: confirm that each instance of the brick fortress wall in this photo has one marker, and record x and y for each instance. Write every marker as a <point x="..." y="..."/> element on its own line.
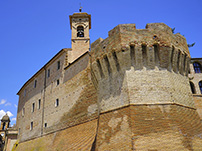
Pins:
<point x="131" y="93"/>
<point x="144" y="96"/>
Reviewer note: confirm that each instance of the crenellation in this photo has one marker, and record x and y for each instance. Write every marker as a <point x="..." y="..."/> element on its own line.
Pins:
<point x="184" y="64"/>
<point x="155" y="53"/>
<point x="124" y="58"/>
<point x="113" y="67"/>
<point x="188" y="66"/>
<point x="152" y="58"/>
<point x="144" y="55"/>
<point x="138" y="57"/>
<point x="133" y="85"/>
<point x="132" y="54"/>
<point x="178" y="60"/>
<point x="116" y="61"/>
<point x="96" y="67"/>
<point x="159" y="26"/>
<point x="181" y="63"/>
<point x="175" y="58"/>
<point x="105" y="67"/>
<point x="164" y="57"/>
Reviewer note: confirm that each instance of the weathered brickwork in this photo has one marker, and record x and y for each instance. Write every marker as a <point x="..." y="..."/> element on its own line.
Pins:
<point x="154" y="127"/>
<point x="79" y="137"/>
<point x="141" y="67"/>
<point x="130" y="92"/>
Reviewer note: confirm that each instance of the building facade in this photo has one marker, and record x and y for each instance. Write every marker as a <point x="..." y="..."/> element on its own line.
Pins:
<point x="195" y="77"/>
<point x="8" y="135"/>
<point x="131" y="91"/>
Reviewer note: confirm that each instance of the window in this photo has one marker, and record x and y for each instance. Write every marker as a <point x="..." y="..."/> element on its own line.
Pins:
<point x="4" y="125"/>
<point x="18" y="131"/>
<point x="25" y="92"/>
<point x="197" y="67"/>
<point x="45" y="125"/>
<point x="193" y="90"/>
<point x="39" y="104"/>
<point x="33" y="106"/>
<point x="35" y="83"/>
<point x="31" y="126"/>
<point x="200" y="86"/>
<point x="23" y="111"/>
<point x="80" y="31"/>
<point x="48" y="73"/>
<point x="58" y="82"/>
<point x="56" y="102"/>
<point x="58" y="65"/>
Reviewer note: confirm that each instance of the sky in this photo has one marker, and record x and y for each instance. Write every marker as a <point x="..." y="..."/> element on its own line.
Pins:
<point x="32" y="32"/>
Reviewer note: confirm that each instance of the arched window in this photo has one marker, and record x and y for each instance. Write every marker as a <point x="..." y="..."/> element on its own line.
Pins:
<point x="197" y="67"/>
<point x="4" y="124"/>
<point x="193" y="90"/>
<point x="200" y="86"/>
<point x="80" y="31"/>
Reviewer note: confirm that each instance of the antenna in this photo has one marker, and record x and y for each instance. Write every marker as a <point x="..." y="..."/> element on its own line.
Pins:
<point x="80" y="9"/>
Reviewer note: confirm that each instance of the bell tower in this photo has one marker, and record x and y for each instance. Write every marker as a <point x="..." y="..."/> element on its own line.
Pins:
<point x="5" y="121"/>
<point x="80" y="24"/>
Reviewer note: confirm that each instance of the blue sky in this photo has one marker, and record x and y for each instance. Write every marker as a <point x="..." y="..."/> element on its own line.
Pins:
<point x="32" y="32"/>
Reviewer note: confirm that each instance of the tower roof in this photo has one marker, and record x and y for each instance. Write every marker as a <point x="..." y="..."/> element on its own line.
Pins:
<point x="5" y="118"/>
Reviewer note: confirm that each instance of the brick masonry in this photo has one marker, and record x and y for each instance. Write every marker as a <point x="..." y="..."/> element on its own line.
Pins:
<point x="130" y="92"/>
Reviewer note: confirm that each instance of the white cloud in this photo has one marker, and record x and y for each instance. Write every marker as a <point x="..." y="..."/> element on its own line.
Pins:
<point x="15" y="105"/>
<point x="2" y="113"/>
<point x="9" y="113"/>
<point x="8" y="104"/>
<point x="2" y="101"/>
<point x="13" y="119"/>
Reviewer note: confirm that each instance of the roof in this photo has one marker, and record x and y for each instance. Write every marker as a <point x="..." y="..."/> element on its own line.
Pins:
<point x="55" y="57"/>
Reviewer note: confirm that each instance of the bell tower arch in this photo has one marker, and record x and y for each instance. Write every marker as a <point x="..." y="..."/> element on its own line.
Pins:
<point x="5" y="121"/>
<point x="80" y="24"/>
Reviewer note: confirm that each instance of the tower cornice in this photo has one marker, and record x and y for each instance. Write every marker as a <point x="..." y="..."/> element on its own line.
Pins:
<point x="80" y="15"/>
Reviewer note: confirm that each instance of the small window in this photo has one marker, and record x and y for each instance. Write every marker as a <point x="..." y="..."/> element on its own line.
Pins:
<point x="35" y="83"/>
<point x="45" y="125"/>
<point x="25" y="92"/>
<point x="56" y="102"/>
<point x="31" y="126"/>
<point x="197" y="67"/>
<point x="23" y="111"/>
<point x="33" y="106"/>
<point x="39" y="104"/>
<point x="80" y="31"/>
<point x="200" y="86"/>
<point x="18" y="131"/>
<point x="58" y="64"/>
<point x="193" y="90"/>
<point x="4" y="126"/>
<point x="58" y="82"/>
<point x="48" y="73"/>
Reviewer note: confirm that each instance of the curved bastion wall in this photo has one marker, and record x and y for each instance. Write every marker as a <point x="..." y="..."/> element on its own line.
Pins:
<point x="141" y="66"/>
<point x="130" y="92"/>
